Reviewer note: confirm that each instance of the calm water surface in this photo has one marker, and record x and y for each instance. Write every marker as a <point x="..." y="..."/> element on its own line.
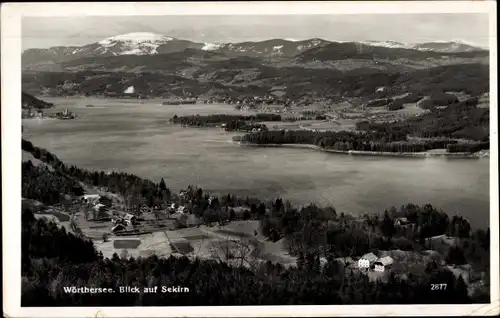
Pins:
<point x="137" y="138"/>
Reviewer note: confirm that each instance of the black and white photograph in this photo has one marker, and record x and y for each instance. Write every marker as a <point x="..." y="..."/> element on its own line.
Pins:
<point x="255" y="155"/>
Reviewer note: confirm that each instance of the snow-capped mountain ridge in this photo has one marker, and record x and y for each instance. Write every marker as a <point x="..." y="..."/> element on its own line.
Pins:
<point x="148" y="43"/>
<point x="387" y="44"/>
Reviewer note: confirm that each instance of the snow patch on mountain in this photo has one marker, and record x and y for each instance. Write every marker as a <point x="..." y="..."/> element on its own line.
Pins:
<point x="136" y="37"/>
<point x="211" y="46"/>
<point x="387" y="44"/>
<point x="136" y="43"/>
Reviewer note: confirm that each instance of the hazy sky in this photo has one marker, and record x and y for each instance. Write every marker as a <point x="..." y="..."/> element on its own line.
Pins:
<point x="410" y="28"/>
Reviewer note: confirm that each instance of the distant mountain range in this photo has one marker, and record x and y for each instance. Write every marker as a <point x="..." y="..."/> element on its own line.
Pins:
<point x="147" y="43"/>
<point x="157" y="65"/>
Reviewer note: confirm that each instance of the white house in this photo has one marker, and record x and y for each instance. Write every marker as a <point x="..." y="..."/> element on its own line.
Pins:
<point x="129" y="216"/>
<point x="370" y="257"/>
<point x="383" y="263"/>
<point x="401" y="221"/>
<point x="99" y="207"/>
<point x="91" y="198"/>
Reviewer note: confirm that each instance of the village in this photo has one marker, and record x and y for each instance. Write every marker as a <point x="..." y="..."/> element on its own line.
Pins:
<point x="39" y="114"/>
<point x="173" y="230"/>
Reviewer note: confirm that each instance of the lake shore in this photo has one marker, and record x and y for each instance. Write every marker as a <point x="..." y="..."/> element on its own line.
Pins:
<point x="427" y="154"/>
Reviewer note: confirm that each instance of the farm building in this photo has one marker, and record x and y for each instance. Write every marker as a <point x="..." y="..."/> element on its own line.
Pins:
<point x="91" y="198"/>
<point x="118" y="227"/>
<point x="100" y="211"/>
<point x="129" y="218"/>
<point x="402" y="221"/>
<point x="182" y="209"/>
<point x="99" y="207"/>
<point x="323" y="261"/>
<point x="383" y="263"/>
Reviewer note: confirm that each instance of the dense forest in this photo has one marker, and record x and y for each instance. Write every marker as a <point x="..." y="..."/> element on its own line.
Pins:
<point x="344" y="141"/>
<point x="45" y="184"/>
<point x="314" y="232"/>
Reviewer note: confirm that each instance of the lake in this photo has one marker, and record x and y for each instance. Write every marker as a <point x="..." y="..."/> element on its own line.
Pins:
<point x="125" y="135"/>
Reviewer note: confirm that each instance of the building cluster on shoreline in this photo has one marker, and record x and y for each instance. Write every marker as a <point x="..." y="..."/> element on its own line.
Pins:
<point x="39" y="114"/>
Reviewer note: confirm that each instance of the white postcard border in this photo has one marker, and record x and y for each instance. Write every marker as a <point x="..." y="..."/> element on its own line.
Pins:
<point x="11" y="152"/>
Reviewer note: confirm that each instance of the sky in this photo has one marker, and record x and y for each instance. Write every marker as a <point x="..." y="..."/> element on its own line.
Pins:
<point x="44" y="32"/>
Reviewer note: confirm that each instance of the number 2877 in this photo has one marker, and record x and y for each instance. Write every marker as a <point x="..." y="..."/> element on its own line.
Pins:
<point x="438" y="286"/>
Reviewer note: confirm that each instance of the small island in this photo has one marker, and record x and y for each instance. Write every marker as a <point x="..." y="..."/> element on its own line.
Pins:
<point x="33" y="108"/>
<point x="40" y="114"/>
<point x="66" y="114"/>
<point x="228" y="122"/>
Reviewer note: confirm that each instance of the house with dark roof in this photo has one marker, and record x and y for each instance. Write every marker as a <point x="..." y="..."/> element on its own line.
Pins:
<point x="118" y="228"/>
<point x="383" y="263"/>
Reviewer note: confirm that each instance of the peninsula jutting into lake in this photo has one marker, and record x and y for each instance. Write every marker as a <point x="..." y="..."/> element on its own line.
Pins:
<point x="270" y="172"/>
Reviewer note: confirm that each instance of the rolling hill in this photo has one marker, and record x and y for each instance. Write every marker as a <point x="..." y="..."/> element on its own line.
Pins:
<point x="30" y="101"/>
<point x="229" y="78"/>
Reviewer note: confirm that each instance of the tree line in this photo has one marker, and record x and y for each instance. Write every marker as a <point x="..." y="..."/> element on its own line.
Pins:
<point x="315" y="226"/>
<point x="468" y="147"/>
<point x="346" y="140"/>
<point x="45" y="185"/>
<point x="312" y="233"/>
<point x="210" y="120"/>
